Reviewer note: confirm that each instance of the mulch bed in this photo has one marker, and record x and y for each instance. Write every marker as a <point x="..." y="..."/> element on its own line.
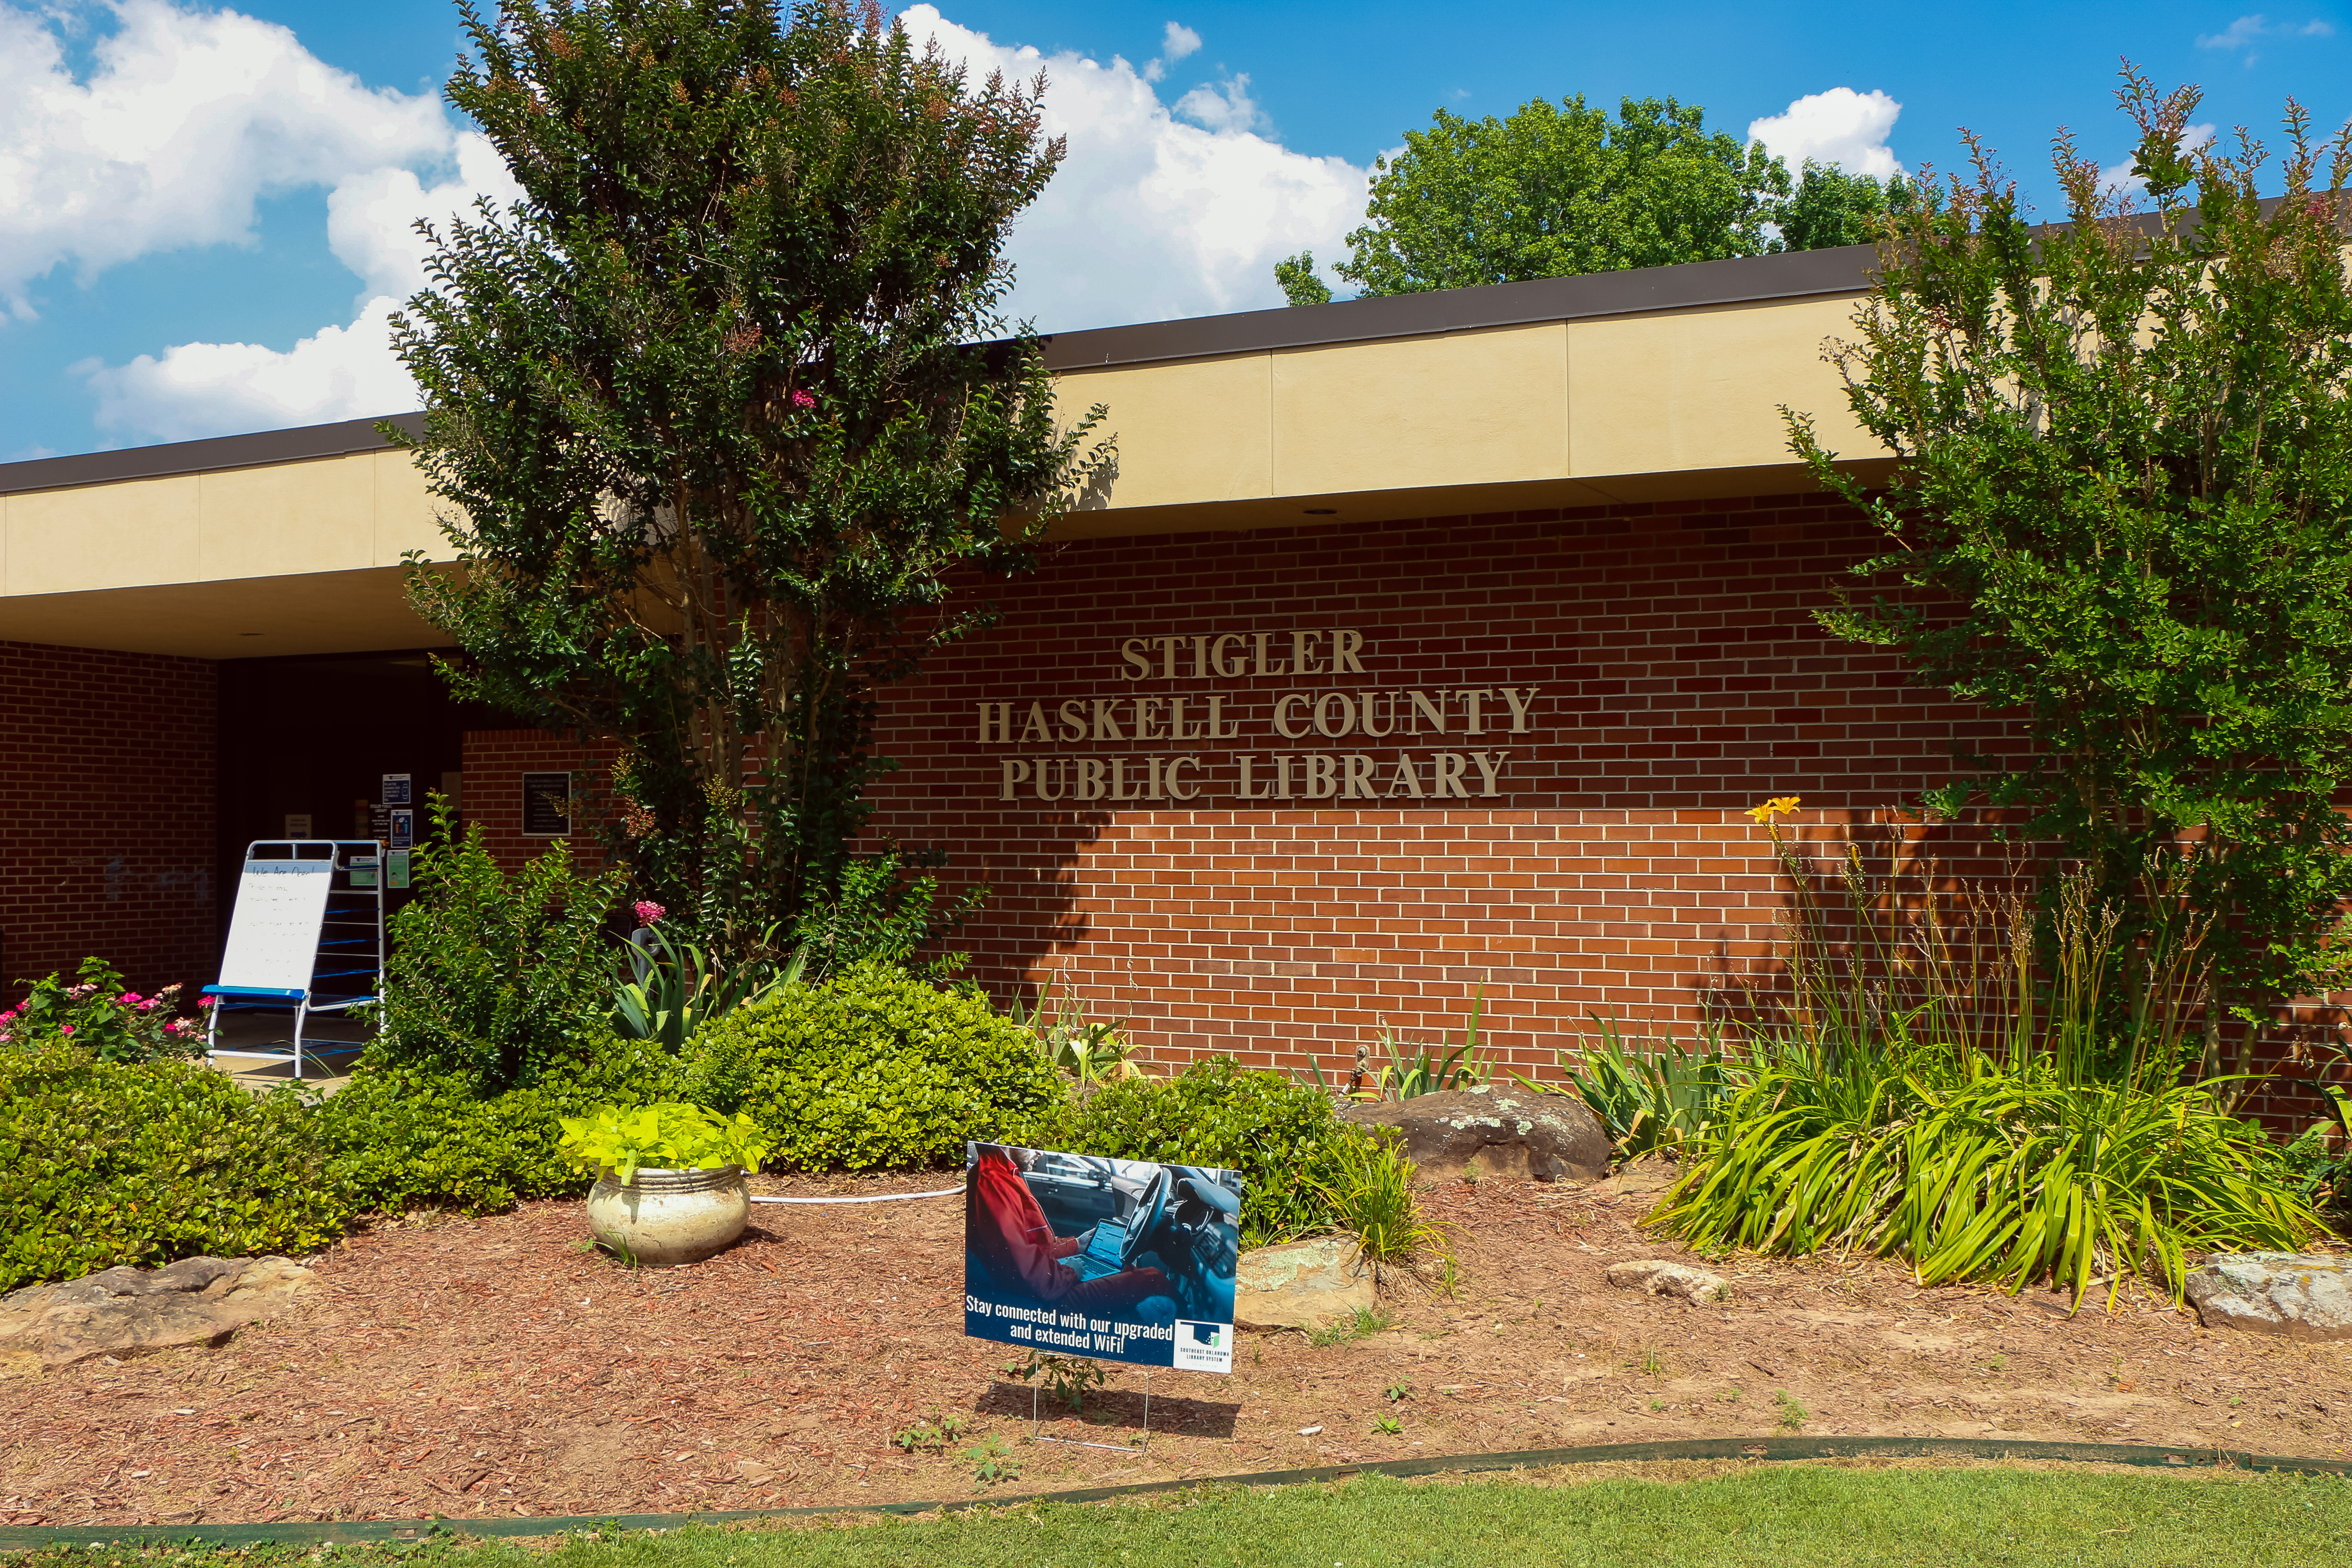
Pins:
<point x="496" y="1367"/>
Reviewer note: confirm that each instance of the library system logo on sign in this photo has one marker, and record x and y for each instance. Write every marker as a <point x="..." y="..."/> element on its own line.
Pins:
<point x="1204" y="1347"/>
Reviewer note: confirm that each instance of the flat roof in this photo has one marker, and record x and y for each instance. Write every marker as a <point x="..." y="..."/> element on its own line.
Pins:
<point x="1750" y="279"/>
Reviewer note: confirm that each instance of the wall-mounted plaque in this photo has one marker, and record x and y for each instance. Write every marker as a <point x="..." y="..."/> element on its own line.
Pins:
<point x="546" y="804"/>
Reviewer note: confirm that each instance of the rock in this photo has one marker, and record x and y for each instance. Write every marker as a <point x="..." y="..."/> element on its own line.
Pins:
<point x="2300" y="1296"/>
<point x="1509" y="1130"/>
<point x="131" y="1312"/>
<point x="1302" y="1284"/>
<point x="1656" y="1276"/>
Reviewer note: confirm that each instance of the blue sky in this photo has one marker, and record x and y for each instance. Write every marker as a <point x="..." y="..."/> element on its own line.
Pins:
<point x="204" y="211"/>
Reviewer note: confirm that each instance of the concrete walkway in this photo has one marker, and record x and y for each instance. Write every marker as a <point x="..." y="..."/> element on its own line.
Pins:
<point x="327" y="1063"/>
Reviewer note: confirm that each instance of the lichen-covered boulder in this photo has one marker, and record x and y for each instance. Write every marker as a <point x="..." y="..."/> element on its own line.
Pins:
<point x="1302" y="1284"/>
<point x="2299" y="1296"/>
<point x="126" y="1311"/>
<point x="1507" y="1130"/>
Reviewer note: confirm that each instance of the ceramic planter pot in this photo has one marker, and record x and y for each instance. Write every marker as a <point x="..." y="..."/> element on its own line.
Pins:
<point x="665" y="1217"/>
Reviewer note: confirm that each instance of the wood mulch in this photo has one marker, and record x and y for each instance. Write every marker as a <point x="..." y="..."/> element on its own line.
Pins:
<point x="496" y="1367"/>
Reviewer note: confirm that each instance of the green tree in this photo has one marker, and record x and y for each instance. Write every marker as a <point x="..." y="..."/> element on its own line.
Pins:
<point x="1831" y="207"/>
<point x="1560" y="189"/>
<point x="713" y="411"/>
<point x="2122" y="510"/>
<point x="1295" y="275"/>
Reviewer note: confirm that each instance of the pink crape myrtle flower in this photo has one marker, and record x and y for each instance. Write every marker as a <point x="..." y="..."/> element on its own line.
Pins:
<point x="648" y="911"/>
<point x="802" y="400"/>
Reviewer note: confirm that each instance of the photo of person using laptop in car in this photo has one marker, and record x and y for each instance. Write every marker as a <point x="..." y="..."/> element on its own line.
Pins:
<point x="1122" y="1241"/>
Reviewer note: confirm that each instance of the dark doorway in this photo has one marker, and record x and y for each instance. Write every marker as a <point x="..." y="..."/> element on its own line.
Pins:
<point x="314" y="736"/>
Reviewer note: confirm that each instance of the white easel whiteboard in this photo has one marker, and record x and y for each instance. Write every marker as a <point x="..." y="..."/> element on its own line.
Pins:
<point x="273" y="937"/>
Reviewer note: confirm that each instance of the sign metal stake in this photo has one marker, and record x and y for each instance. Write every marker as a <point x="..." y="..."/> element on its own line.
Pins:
<point x="1144" y="1448"/>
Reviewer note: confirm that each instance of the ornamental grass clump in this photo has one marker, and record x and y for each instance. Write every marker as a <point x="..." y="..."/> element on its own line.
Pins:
<point x="1369" y="1190"/>
<point x="2046" y="1149"/>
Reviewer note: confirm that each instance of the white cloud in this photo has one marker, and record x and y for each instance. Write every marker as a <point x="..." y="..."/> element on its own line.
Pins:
<point x="338" y="373"/>
<point x="211" y="389"/>
<point x="1840" y="126"/>
<point x="186" y="116"/>
<point x="1151" y="219"/>
<point x="1224" y="106"/>
<point x="372" y="217"/>
<point x="1175" y="43"/>
<point x="2247" y="31"/>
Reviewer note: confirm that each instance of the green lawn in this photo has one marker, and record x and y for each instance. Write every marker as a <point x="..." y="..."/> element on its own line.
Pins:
<point x="1780" y="1516"/>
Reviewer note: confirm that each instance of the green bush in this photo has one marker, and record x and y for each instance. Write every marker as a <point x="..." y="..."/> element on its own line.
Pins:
<point x="104" y="1163"/>
<point x="493" y="977"/>
<point x="402" y="1138"/>
<point x="874" y="1067"/>
<point x="1282" y="1137"/>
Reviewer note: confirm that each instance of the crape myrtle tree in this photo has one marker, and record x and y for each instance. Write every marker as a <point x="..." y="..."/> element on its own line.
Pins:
<point x="2121" y="508"/>
<point x="713" y="413"/>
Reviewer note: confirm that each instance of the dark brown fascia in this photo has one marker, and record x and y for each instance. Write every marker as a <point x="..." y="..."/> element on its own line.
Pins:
<point x="258" y="450"/>
<point x="1745" y="280"/>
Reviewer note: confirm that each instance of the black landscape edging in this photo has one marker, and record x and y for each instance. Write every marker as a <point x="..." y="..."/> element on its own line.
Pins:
<point x="298" y="1532"/>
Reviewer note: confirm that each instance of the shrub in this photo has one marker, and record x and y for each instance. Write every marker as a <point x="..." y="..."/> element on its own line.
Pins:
<point x="1282" y="1137"/>
<point x="490" y="977"/>
<point x="403" y="1137"/>
<point x="100" y="1014"/>
<point x="105" y="1163"/>
<point x="875" y="915"/>
<point x="874" y="1067"/>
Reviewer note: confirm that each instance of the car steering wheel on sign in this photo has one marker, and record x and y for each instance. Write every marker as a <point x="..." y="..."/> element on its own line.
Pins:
<point x="1150" y="1209"/>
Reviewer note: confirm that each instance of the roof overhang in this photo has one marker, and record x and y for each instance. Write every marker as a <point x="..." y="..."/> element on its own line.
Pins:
<point x="1652" y="386"/>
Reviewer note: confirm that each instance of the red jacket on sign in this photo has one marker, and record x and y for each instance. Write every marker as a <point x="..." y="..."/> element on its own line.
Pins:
<point x="1005" y="1226"/>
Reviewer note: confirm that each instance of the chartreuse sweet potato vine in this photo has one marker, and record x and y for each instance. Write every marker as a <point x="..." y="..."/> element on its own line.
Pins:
<point x="669" y="1135"/>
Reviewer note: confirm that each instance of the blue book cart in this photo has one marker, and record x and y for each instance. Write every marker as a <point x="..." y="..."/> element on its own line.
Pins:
<point x="306" y="940"/>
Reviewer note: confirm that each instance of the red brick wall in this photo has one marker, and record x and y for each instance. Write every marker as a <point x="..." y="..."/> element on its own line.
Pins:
<point x="495" y="761"/>
<point x="106" y="802"/>
<point x="1681" y="678"/>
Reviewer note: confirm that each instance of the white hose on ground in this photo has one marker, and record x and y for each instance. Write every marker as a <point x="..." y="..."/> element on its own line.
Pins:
<point x="876" y="1198"/>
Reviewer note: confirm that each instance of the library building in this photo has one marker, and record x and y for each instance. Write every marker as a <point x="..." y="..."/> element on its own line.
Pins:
<point x="1422" y="651"/>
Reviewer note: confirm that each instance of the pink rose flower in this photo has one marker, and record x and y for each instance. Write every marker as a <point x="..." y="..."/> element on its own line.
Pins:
<point x="650" y="911"/>
<point x="802" y="400"/>
<point x="65" y="1029"/>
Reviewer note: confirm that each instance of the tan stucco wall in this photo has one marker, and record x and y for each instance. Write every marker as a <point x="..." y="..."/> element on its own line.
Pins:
<point x="1564" y="413"/>
<point x="1671" y="404"/>
<point x="326" y="514"/>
